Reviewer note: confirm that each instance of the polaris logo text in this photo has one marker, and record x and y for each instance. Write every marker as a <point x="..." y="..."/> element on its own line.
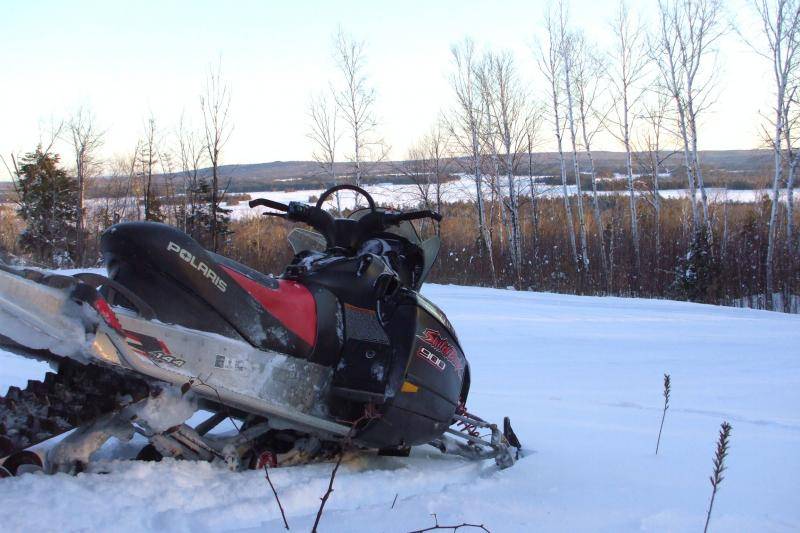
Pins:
<point x="201" y="267"/>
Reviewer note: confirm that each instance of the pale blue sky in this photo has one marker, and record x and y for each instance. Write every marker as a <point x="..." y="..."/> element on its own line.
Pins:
<point x="124" y="60"/>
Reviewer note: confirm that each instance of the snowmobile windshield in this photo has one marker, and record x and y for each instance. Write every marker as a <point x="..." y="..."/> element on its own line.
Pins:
<point x="406" y="230"/>
<point x="304" y="240"/>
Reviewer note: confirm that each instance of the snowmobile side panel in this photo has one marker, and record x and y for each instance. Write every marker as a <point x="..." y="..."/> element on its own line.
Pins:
<point x="134" y="250"/>
<point x="426" y="381"/>
<point x="289" y="302"/>
<point x="330" y="327"/>
<point x="227" y="371"/>
<point x="175" y="304"/>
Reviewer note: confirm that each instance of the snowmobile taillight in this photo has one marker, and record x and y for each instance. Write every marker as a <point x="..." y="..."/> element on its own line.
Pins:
<point x="109" y="317"/>
<point x="266" y="460"/>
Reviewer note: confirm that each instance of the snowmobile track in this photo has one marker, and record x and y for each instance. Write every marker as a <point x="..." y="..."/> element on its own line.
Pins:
<point x="66" y="399"/>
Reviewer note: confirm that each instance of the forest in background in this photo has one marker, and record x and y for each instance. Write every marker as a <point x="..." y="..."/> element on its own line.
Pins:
<point x="649" y="92"/>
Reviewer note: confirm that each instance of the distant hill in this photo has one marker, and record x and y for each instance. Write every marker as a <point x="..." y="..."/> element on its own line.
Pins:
<point x="743" y="168"/>
<point x="745" y="165"/>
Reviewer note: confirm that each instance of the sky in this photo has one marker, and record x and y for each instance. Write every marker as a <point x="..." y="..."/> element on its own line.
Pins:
<point x="126" y="61"/>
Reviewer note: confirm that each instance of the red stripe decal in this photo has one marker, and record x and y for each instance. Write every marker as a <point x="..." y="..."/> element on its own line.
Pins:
<point x="132" y="336"/>
<point x="291" y="303"/>
<point x="110" y="318"/>
<point x="164" y="347"/>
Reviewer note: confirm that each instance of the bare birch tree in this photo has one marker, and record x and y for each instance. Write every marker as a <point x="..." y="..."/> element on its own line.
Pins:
<point x="781" y="29"/>
<point x="466" y="125"/>
<point x="85" y="139"/>
<point x="651" y="157"/>
<point x="588" y="72"/>
<point x="215" y="104"/>
<point x="790" y="119"/>
<point x="356" y="101"/>
<point x="191" y="156"/>
<point x="688" y="34"/>
<point x="532" y="139"/>
<point x="506" y="122"/>
<point x="323" y="115"/>
<point x="568" y="57"/>
<point x="428" y="165"/>
<point x="627" y="70"/>
<point x="551" y="66"/>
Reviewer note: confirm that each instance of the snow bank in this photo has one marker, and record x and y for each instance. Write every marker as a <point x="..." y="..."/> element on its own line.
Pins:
<point x="580" y="377"/>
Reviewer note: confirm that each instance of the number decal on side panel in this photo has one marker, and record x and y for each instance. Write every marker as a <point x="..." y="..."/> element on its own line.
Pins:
<point x="431" y="358"/>
<point x="152" y="348"/>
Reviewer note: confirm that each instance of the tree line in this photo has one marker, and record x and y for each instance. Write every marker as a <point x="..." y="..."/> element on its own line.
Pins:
<point x="649" y="93"/>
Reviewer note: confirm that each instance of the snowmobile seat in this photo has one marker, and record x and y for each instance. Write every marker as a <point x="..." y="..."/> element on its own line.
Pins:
<point x="189" y="286"/>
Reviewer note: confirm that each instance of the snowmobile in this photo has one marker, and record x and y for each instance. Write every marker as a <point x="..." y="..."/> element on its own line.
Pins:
<point x="341" y="350"/>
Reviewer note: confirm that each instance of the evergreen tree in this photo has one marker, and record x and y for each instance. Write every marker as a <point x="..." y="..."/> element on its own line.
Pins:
<point x="198" y="220"/>
<point x="697" y="273"/>
<point x="152" y="210"/>
<point x="48" y="201"/>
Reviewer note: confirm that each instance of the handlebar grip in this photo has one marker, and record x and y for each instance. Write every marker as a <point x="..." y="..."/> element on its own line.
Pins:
<point x="416" y="215"/>
<point x="268" y="203"/>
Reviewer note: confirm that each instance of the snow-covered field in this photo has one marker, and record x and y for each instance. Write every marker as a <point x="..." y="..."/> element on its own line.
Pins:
<point x="581" y="379"/>
<point x="463" y="189"/>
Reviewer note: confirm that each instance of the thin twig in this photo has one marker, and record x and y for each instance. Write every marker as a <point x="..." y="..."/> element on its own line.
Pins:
<point x="456" y="527"/>
<point x="277" y="499"/>
<point x="197" y="379"/>
<point x="369" y="414"/>
<point x="328" y="492"/>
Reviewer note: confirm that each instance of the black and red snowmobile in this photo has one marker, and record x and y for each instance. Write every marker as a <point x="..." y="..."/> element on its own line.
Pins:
<point x="340" y="349"/>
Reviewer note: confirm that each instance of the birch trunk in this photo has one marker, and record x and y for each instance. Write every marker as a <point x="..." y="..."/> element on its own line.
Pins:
<point x="550" y="65"/>
<point x="567" y="52"/>
<point x="783" y="42"/>
<point x="656" y="205"/>
<point x="466" y="127"/>
<point x="792" y="157"/>
<point x="483" y="230"/>
<point x="632" y="197"/>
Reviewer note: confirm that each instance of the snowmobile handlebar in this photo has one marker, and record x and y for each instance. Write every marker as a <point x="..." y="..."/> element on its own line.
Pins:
<point x="412" y="215"/>
<point x="342" y="233"/>
<point x="346" y="186"/>
<point x="268" y="203"/>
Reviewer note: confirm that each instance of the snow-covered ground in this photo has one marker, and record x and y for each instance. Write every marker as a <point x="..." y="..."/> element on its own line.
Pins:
<point x="580" y="377"/>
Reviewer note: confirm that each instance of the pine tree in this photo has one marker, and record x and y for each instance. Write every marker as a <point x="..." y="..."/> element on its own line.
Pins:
<point x="198" y="220"/>
<point x="48" y="201"/>
<point x="697" y="273"/>
<point x="152" y="204"/>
